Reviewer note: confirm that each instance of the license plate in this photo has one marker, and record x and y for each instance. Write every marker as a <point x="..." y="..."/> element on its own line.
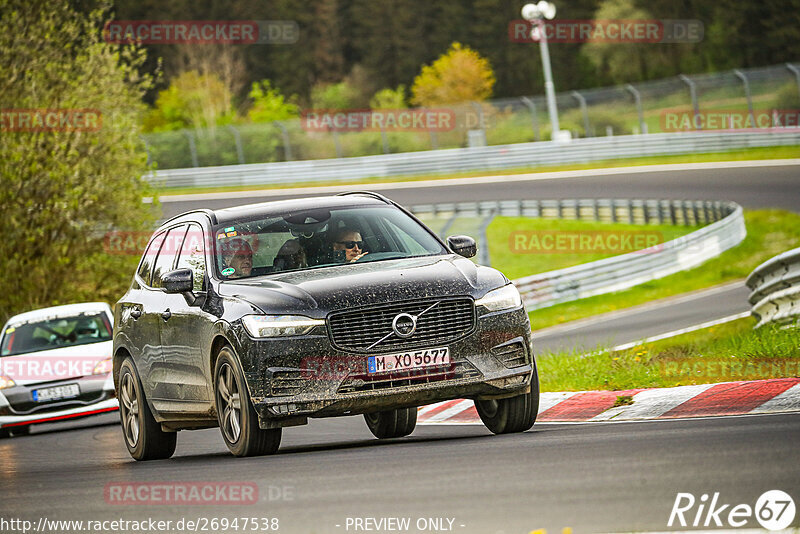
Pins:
<point x="408" y="360"/>
<point x="55" y="393"/>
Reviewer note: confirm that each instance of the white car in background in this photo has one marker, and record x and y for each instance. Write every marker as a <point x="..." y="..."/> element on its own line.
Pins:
<point x="55" y="364"/>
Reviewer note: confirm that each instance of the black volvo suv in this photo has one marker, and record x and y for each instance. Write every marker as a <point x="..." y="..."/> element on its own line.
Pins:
<point x="258" y="317"/>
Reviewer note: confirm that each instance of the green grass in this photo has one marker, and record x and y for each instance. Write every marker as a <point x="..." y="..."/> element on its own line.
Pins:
<point x="769" y="232"/>
<point x="518" y="253"/>
<point x="734" y="155"/>
<point x="724" y="353"/>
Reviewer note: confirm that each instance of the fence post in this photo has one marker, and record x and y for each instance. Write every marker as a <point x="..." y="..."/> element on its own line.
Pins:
<point x="385" y="141"/>
<point x="484" y="249"/>
<point x="287" y="145"/>
<point x="478" y="107"/>
<point x="534" y="120"/>
<point x="637" y="97"/>
<point x="434" y="139"/>
<point x="796" y="72"/>
<point x="582" y="101"/>
<point x="693" y="93"/>
<point x="238" y="139"/>
<point x="739" y="74"/>
<point x="192" y="147"/>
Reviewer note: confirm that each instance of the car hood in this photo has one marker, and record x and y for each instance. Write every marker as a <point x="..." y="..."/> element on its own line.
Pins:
<point x="55" y="364"/>
<point x="327" y="289"/>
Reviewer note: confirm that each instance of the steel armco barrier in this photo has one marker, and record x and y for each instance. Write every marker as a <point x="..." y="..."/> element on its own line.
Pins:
<point x="472" y="159"/>
<point x="775" y="286"/>
<point x="725" y="229"/>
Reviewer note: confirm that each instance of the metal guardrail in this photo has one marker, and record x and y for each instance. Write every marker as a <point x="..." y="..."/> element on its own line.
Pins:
<point x="472" y="159"/>
<point x="775" y="286"/>
<point x="725" y="229"/>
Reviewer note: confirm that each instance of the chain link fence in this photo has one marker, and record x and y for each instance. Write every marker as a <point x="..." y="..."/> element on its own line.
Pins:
<point x="770" y="96"/>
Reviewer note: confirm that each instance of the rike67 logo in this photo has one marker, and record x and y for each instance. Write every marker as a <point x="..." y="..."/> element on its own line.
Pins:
<point x="774" y="510"/>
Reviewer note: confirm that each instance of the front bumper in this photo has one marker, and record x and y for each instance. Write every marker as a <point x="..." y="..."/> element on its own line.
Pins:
<point x="17" y="407"/>
<point x="108" y="405"/>
<point x="291" y="380"/>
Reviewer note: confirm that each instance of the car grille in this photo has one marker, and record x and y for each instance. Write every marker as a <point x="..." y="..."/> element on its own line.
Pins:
<point x="413" y="377"/>
<point x="357" y="330"/>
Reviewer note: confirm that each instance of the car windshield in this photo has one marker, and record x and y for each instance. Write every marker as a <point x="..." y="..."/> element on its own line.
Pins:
<point x="318" y="238"/>
<point x="54" y="333"/>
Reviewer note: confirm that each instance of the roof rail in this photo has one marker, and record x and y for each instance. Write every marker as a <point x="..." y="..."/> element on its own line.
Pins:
<point x="209" y="213"/>
<point x="367" y="193"/>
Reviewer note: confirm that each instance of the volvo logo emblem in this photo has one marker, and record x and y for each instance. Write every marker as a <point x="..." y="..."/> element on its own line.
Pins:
<point x="404" y="325"/>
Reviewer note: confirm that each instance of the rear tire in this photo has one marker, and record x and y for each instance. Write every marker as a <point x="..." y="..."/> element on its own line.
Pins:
<point x="514" y="414"/>
<point x="140" y="431"/>
<point x="4" y="433"/>
<point x="392" y="423"/>
<point x="238" y="421"/>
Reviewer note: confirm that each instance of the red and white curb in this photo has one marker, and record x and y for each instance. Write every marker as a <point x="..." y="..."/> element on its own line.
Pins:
<point x="704" y="400"/>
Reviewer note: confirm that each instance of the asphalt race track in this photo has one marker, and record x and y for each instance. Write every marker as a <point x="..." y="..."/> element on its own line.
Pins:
<point x="757" y="187"/>
<point x="640" y="322"/>
<point x="590" y="477"/>
<point x="595" y="477"/>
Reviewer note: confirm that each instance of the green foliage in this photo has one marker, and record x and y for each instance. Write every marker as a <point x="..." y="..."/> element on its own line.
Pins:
<point x="625" y="62"/>
<point x="459" y="75"/>
<point x="727" y="352"/>
<point x="192" y="100"/>
<point x="389" y="98"/>
<point x="270" y="105"/>
<point x="61" y="191"/>
<point x="787" y="97"/>
<point x="333" y="96"/>
<point x="598" y="120"/>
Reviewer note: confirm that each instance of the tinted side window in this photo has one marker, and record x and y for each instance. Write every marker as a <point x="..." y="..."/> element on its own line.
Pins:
<point x="166" y="256"/>
<point x="146" y="267"/>
<point x="192" y="255"/>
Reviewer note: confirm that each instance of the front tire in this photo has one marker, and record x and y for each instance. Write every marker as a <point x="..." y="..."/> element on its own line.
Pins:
<point x="392" y="423"/>
<point x="238" y="421"/>
<point x="514" y="414"/>
<point x="141" y="432"/>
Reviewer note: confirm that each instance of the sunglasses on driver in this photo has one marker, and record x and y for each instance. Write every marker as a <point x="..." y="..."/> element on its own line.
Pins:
<point x="350" y="244"/>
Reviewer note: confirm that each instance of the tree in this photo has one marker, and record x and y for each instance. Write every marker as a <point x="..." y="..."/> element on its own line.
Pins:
<point x="459" y="75"/>
<point x="389" y="98"/>
<point x="192" y="100"/>
<point x="626" y="62"/>
<point x="269" y="104"/>
<point x="61" y="191"/>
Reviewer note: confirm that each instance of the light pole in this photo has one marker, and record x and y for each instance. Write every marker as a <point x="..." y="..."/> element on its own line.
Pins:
<point x="535" y="13"/>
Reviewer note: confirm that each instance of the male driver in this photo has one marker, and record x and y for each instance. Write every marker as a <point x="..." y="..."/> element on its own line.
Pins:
<point x="350" y="242"/>
<point x="237" y="255"/>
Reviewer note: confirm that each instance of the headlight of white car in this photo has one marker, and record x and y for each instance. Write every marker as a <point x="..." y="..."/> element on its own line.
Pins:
<point x="504" y="298"/>
<point x="279" y="325"/>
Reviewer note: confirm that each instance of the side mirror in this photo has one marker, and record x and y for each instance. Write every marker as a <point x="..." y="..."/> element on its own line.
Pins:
<point x="463" y="245"/>
<point x="178" y="281"/>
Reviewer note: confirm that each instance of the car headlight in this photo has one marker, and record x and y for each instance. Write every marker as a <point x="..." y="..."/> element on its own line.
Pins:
<point x="103" y="367"/>
<point x="279" y="325"/>
<point x="504" y="298"/>
<point x="6" y="382"/>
